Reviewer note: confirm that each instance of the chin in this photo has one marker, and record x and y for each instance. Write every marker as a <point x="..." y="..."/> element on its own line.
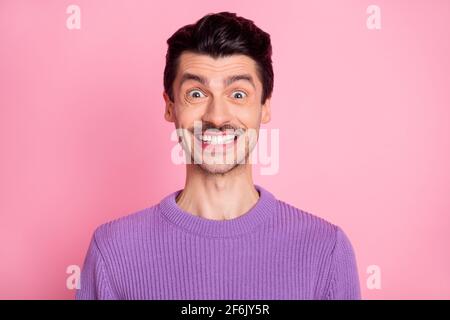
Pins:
<point x="217" y="168"/>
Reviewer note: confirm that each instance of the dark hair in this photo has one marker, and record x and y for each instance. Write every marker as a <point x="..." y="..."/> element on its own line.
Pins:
<point x="221" y="34"/>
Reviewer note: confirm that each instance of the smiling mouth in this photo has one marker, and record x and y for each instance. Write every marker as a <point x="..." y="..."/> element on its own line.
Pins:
<point x="222" y="139"/>
<point x="218" y="138"/>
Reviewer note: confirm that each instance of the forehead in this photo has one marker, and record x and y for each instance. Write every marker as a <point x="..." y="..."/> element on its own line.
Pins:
<point x="216" y="68"/>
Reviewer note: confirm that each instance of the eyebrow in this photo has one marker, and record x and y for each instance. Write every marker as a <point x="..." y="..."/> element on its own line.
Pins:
<point x="227" y="81"/>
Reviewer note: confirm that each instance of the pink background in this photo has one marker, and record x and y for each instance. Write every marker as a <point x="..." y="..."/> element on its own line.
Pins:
<point x="363" y="118"/>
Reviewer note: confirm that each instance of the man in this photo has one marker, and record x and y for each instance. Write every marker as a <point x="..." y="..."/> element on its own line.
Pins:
<point x="222" y="236"/>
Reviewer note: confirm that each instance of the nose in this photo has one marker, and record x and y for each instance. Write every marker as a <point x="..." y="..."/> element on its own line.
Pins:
<point x="217" y="113"/>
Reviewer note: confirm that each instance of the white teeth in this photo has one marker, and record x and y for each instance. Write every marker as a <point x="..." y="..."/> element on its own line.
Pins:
<point x="217" y="139"/>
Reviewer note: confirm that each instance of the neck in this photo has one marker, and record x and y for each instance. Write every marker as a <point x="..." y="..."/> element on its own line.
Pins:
<point x="218" y="196"/>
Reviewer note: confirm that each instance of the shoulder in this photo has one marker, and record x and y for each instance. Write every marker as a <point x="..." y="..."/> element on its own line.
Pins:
<point x="125" y="229"/>
<point x="306" y="221"/>
<point x="310" y="227"/>
<point x="325" y="241"/>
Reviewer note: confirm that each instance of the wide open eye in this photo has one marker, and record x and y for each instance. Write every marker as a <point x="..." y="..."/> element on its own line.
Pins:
<point x="238" y="94"/>
<point x="196" y="94"/>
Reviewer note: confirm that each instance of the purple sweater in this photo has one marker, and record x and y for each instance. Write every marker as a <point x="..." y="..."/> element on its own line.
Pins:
<point x="273" y="251"/>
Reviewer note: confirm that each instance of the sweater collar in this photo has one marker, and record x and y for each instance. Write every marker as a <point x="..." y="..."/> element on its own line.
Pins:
<point x="245" y="223"/>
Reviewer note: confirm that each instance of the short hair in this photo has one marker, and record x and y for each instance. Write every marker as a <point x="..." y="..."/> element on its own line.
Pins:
<point x="218" y="35"/>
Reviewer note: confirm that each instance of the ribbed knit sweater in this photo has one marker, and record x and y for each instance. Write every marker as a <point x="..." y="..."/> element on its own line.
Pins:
<point x="273" y="251"/>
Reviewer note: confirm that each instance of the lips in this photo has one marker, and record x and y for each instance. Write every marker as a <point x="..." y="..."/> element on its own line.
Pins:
<point x="218" y="140"/>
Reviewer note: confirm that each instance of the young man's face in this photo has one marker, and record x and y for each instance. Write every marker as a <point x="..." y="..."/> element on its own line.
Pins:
<point x="218" y="102"/>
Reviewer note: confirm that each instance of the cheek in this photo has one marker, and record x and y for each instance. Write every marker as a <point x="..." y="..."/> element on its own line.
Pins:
<point x="250" y="117"/>
<point x="186" y="116"/>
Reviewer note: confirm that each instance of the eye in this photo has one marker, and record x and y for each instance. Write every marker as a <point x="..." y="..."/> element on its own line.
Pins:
<point x="239" y="94"/>
<point x="196" y="94"/>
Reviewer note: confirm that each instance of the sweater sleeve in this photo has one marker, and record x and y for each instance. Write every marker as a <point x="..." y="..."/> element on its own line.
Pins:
<point x="344" y="280"/>
<point x="94" y="281"/>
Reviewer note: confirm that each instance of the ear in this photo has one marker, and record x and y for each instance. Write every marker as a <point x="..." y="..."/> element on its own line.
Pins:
<point x="266" y="112"/>
<point x="169" y="113"/>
